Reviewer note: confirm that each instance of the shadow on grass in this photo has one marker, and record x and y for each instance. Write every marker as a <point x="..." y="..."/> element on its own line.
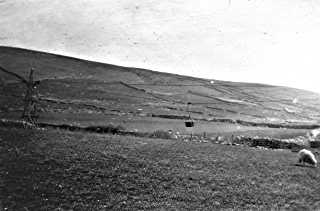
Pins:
<point x="303" y="165"/>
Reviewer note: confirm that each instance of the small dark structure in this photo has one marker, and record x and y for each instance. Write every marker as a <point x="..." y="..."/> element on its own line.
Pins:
<point x="189" y="122"/>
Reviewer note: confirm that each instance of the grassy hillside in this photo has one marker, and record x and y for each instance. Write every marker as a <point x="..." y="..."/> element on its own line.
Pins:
<point x="52" y="169"/>
<point x="78" y="92"/>
<point x="55" y="170"/>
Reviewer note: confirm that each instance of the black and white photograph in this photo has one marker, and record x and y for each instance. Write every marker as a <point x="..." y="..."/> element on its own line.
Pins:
<point x="159" y="105"/>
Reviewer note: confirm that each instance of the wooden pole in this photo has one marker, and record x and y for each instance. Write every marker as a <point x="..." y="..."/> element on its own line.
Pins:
<point x="30" y="99"/>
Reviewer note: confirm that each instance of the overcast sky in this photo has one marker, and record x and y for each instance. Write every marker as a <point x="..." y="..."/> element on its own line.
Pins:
<point x="266" y="41"/>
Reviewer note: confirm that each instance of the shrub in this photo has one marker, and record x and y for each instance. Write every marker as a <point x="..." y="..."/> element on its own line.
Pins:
<point x="161" y="134"/>
<point x="106" y="129"/>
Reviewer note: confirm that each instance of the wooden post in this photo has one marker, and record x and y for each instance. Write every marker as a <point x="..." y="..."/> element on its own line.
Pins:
<point x="30" y="99"/>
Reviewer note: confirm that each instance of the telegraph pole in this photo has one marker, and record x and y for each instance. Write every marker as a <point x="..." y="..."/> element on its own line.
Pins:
<point x="31" y="96"/>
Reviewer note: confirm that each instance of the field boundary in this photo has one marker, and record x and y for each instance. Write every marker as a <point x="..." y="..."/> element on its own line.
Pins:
<point x="242" y="122"/>
<point x="266" y="142"/>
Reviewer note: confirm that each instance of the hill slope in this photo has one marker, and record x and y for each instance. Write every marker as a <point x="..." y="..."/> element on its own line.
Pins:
<point x="86" y="92"/>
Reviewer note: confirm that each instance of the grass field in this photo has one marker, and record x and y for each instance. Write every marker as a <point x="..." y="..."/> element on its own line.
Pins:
<point x="59" y="170"/>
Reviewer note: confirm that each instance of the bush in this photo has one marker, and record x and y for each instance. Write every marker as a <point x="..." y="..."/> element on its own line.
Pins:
<point x="106" y="129"/>
<point x="314" y="144"/>
<point x="161" y="134"/>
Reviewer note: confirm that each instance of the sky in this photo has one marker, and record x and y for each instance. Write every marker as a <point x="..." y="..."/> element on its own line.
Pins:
<point x="261" y="41"/>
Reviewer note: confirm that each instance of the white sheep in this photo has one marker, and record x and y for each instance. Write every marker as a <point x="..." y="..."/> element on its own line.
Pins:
<point x="313" y="134"/>
<point x="306" y="156"/>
